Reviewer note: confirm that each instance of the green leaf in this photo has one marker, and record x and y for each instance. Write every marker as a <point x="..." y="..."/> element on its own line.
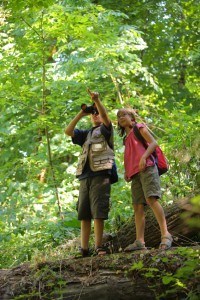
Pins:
<point x="137" y="266"/>
<point x="167" y="279"/>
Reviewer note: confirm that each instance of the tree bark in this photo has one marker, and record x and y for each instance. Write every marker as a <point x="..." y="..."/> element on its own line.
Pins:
<point x="112" y="277"/>
<point x="177" y="221"/>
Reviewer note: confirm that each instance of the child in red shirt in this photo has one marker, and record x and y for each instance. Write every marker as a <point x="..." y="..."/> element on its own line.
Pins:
<point x="141" y="170"/>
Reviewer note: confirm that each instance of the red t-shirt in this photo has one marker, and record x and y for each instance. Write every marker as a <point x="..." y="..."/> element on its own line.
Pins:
<point x="133" y="153"/>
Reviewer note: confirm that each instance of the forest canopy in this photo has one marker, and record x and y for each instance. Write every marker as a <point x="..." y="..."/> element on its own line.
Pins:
<point x="142" y="54"/>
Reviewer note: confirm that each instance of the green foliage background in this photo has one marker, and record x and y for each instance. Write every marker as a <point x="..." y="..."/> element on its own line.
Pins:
<point x="144" y="54"/>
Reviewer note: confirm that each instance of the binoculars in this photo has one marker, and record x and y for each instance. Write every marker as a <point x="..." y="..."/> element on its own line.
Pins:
<point x="92" y="109"/>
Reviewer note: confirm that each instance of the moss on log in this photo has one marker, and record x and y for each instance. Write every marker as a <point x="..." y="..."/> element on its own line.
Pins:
<point x="147" y="274"/>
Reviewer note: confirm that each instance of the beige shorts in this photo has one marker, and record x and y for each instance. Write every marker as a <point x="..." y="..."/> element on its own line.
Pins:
<point x="145" y="184"/>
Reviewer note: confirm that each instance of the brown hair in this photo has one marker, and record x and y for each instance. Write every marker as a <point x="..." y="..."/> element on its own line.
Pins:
<point x="129" y="111"/>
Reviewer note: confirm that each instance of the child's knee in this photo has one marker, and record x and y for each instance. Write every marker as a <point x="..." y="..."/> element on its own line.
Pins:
<point x="151" y="200"/>
<point x="138" y="208"/>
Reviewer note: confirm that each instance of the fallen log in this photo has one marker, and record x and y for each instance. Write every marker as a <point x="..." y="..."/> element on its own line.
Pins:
<point x="177" y="215"/>
<point x="148" y="274"/>
<point x="138" y="275"/>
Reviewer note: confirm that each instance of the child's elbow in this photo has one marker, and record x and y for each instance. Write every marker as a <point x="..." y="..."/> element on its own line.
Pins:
<point x="69" y="133"/>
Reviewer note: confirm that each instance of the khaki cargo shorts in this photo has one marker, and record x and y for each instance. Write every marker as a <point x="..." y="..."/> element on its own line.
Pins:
<point x="145" y="184"/>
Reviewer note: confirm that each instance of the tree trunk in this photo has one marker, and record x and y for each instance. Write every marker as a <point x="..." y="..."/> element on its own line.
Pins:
<point x="177" y="221"/>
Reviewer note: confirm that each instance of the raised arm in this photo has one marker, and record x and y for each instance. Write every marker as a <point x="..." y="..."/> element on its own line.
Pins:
<point x="101" y="109"/>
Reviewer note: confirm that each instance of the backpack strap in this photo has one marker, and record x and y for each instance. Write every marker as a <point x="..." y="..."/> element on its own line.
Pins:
<point x="143" y="141"/>
<point x="139" y="136"/>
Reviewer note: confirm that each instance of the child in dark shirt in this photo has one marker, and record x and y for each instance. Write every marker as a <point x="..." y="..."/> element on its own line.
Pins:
<point x="93" y="171"/>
